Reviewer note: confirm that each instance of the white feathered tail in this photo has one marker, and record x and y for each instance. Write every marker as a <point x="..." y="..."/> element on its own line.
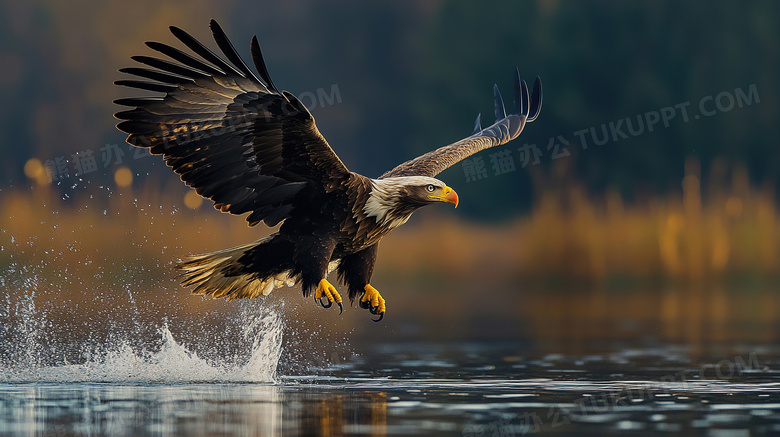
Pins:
<point x="218" y="274"/>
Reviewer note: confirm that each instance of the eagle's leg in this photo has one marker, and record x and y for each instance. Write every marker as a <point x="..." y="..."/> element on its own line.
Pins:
<point x="373" y="301"/>
<point x="312" y="257"/>
<point x="355" y="271"/>
<point x="329" y="291"/>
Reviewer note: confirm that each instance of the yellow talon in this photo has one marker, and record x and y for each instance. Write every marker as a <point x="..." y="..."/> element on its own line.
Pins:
<point x="327" y="289"/>
<point x="374" y="301"/>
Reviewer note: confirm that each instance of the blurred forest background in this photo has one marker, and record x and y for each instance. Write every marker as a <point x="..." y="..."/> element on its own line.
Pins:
<point x="580" y="200"/>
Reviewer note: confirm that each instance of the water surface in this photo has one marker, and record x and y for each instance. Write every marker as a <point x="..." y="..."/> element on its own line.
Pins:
<point x="405" y="388"/>
<point x="139" y="361"/>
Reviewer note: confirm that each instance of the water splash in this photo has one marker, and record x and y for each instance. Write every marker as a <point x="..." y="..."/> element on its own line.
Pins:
<point x="172" y="363"/>
<point x="123" y="335"/>
<point x="121" y="346"/>
<point x="74" y="308"/>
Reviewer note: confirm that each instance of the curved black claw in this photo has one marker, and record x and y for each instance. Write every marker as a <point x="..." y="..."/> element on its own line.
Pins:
<point x="366" y="305"/>
<point x="330" y="304"/>
<point x="341" y="308"/>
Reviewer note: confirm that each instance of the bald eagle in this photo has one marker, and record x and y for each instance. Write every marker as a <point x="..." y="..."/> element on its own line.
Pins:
<point x="237" y="140"/>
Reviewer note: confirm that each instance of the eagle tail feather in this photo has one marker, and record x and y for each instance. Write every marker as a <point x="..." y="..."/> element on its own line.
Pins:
<point x="221" y="274"/>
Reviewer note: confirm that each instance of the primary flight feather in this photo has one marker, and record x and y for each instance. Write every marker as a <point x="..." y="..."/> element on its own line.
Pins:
<point x="237" y="140"/>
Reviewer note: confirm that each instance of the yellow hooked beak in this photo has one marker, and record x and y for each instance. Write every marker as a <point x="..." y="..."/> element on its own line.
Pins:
<point x="448" y="195"/>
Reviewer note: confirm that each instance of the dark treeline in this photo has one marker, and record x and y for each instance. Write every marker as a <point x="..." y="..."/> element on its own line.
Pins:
<point x="632" y="89"/>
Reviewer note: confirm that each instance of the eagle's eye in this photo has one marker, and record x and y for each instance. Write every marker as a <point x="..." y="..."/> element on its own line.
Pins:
<point x="430" y="188"/>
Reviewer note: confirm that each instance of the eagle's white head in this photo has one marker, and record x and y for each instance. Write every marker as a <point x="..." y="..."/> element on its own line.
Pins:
<point x="393" y="200"/>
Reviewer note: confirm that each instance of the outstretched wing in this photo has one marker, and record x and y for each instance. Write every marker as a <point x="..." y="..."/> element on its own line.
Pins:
<point x="505" y="129"/>
<point x="230" y="135"/>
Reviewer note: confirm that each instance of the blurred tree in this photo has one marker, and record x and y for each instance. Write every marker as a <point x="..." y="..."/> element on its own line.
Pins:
<point x="603" y="61"/>
<point x="411" y="76"/>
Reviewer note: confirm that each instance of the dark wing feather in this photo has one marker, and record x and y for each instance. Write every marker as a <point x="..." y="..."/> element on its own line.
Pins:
<point x="506" y="128"/>
<point x="230" y="135"/>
